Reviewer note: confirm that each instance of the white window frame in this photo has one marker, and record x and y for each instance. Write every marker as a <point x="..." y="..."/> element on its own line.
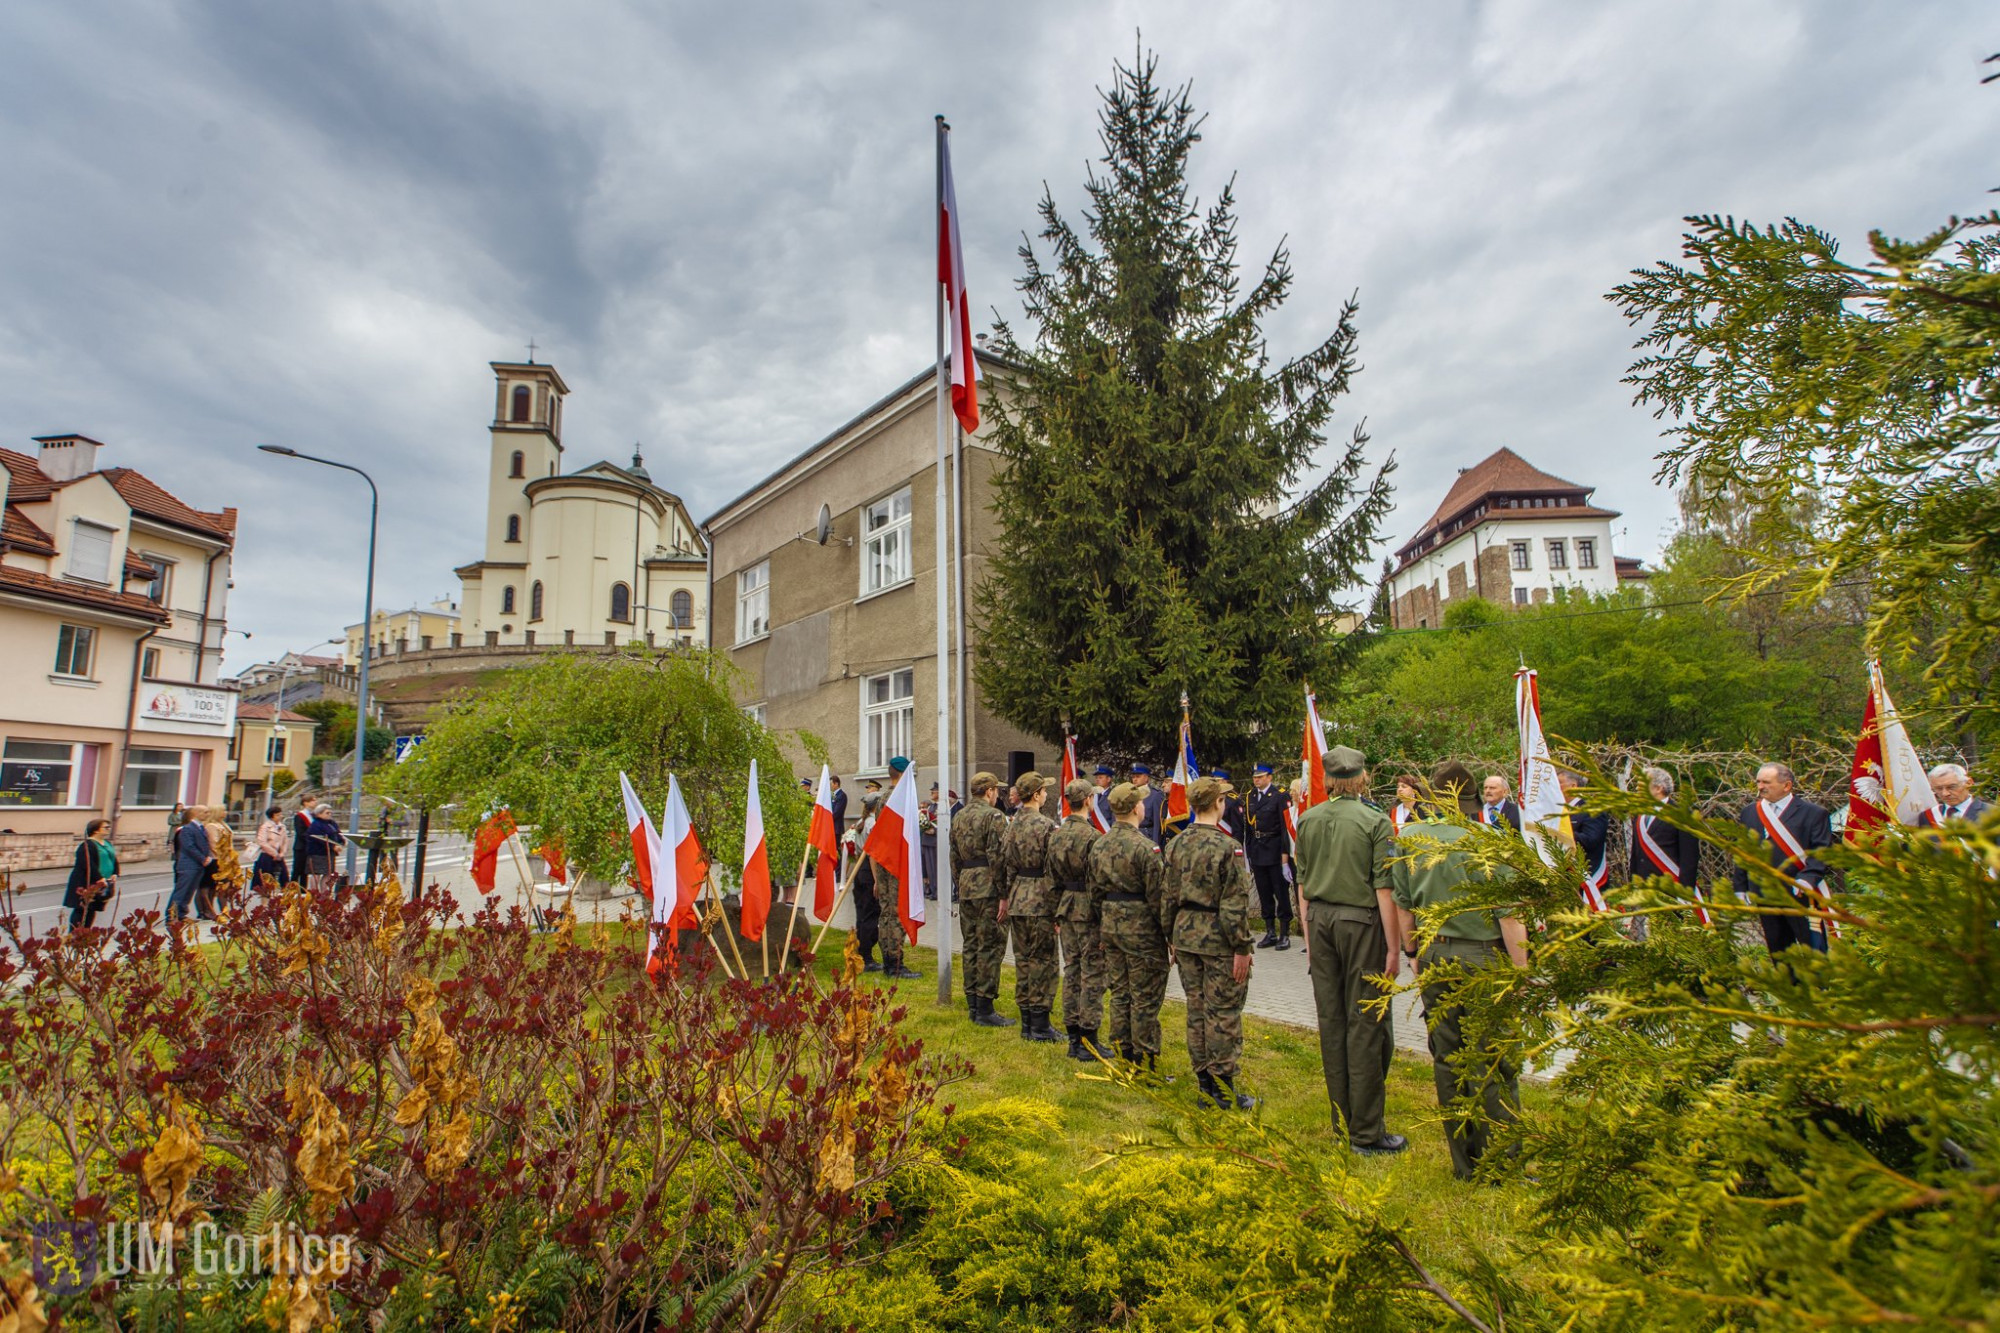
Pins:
<point x="74" y="763"/>
<point x="72" y="568"/>
<point x="89" y="652"/>
<point x="888" y="725"/>
<point x="133" y="767"/>
<point x="1520" y="555"/>
<point x="755" y="712"/>
<point x="1520" y="596"/>
<point x="1586" y="553"/>
<point x="753" y="602"/>
<point x="1558" y="548"/>
<point x="888" y="558"/>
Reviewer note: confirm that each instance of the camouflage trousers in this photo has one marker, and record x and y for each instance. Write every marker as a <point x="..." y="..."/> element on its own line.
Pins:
<point x="876" y="920"/>
<point x="1082" y="973"/>
<point x="1034" y="960"/>
<point x="985" y="946"/>
<point x="1135" y="969"/>
<point x="1214" y="1011"/>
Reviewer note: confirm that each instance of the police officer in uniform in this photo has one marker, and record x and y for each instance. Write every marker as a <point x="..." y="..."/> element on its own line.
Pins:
<point x="1076" y="913"/>
<point x="1152" y="805"/>
<point x="1101" y="797"/>
<point x="1030" y="908"/>
<point x="1127" y="879"/>
<point x="979" y="881"/>
<point x="1266" y="849"/>
<point x="1342" y="858"/>
<point x="1208" y="893"/>
<point x="1430" y="879"/>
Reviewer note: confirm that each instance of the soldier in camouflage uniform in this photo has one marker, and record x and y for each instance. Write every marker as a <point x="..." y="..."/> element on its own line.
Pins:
<point x="1030" y="909"/>
<point x="1082" y="949"/>
<point x="1126" y="879"/>
<point x="1208" y="893"/>
<point x="979" y="881"/>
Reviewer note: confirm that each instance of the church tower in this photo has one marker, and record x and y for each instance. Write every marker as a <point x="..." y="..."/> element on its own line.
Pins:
<point x="527" y="445"/>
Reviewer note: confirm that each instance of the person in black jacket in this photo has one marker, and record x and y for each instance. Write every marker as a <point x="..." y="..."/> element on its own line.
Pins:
<point x="94" y="877"/>
<point x="1496" y="805"/>
<point x="1792" y="828"/>
<point x="1153" y="805"/>
<point x="193" y="858"/>
<point x="1266" y="849"/>
<point x="302" y="822"/>
<point x="1592" y="833"/>
<point x="1232" y="809"/>
<point x="1660" y="849"/>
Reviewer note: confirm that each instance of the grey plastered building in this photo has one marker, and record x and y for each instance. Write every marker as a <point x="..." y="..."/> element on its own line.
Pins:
<point x="840" y="638"/>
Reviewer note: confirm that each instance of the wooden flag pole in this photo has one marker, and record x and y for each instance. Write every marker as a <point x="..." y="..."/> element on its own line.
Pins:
<point x="859" y="857"/>
<point x="798" y="892"/>
<point x="708" y="886"/>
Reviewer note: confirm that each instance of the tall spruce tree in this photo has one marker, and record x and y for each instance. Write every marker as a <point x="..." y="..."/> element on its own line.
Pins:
<point x="1158" y="529"/>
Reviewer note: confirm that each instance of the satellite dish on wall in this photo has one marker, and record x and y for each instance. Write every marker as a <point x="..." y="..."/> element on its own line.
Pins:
<point x="824" y="528"/>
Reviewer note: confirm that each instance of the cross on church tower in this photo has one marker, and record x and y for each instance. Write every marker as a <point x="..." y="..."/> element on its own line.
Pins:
<point x="531" y="349"/>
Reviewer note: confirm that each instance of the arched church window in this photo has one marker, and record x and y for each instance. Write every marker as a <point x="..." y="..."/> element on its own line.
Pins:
<point x="506" y="601"/>
<point x="513" y="527"/>
<point x="683" y="607"/>
<point x="621" y="602"/>
<point x="524" y="403"/>
<point x="520" y="467"/>
<point x="535" y="601"/>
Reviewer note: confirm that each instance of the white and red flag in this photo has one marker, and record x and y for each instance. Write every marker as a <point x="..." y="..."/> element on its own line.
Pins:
<point x="1068" y="772"/>
<point x="895" y="843"/>
<point x="1888" y="783"/>
<point x="639" y="827"/>
<point x="965" y="374"/>
<point x="824" y="838"/>
<point x="1544" y="809"/>
<point x="679" y="870"/>
<point x="1312" y="753"/>
<point x="756" y="894"/>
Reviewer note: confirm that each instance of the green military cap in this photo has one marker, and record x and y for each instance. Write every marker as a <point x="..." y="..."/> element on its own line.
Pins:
<point x="1344" y="761"/>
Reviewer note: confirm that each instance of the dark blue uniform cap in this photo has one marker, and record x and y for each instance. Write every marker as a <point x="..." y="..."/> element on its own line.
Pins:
<point x="1261" y="768"/>
<point x="1143" y="768"/>
<point x="1222" y="773"/>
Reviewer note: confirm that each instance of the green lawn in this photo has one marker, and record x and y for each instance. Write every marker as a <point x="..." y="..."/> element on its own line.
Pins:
<point x="1280" y="1065"/>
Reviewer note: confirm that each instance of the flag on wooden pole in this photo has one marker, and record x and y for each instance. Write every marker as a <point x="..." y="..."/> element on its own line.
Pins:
<point x="639" y="828"/>
<point x="679" y="871"/>
<point x="1312" y="754"/>
<point x="896" y="845"/>
<point x="756" y="893"/>
<point x="1888" y="783"/>
<point x="1068" y="771"/>
<point x="824" y="838"/>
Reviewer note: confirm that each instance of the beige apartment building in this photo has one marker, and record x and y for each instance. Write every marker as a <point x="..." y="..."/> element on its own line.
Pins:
<point x="840" y="638"/>
<point x="113" y="606"/>
<point x="414" y="629"/>
<point x="266" y="742"/>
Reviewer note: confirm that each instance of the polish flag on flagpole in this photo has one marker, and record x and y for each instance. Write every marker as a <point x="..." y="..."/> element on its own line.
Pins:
<point x="756" y="897"/>
<point x="680" y="869"/>
<point x="639" y="827"/>
<point x="965" y="374"/>
<point x="824" y="838"/>
<point x="1177" y="786"/>
<point x="1312" y="753"/>
<point x="1068" y="771"/>
<point x="896" y="845"/>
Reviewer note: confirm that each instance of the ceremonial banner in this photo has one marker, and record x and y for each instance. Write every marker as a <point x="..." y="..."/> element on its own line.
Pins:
<point x="895" y="843"/>
<point x="1186" y="769"/>
<point x="1068" y="772"/>
<point x="1312" y="754"/>
<point x="1888" y="781"/>
<point x="756" y="894"/>
<point x="1544" y="810"/>
<point x="639" y="827"/>
<point x="965" y="374"/>
<point x="824" y="838"/>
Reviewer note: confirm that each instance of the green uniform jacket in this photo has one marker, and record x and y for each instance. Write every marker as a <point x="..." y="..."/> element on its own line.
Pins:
<point x="1025" y="850"/>
<point x="976" y="870"/>
<point x="1343" y="852"/>
<point x="1126" y="862"/>
<point x="1068" y="864"/>
<point x="1208" y="891"/>
<point x="1430" y="871"/>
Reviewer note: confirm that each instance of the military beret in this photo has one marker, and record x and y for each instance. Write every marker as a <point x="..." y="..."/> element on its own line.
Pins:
<point x="1138" y="769"/>
<point x="898" y="764"/>
<point x="1260" y="768"/>
<point x="1344" y="761"/>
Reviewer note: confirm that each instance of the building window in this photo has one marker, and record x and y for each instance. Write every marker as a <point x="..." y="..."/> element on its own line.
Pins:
<point x="1518" y="555"/>
<point x="149" y="664"/>
<point x="1520" y="596"/>
<point x="274" y="749"/>
<point x="520" y="465"/>
<point x="621" y="603"/>
<point x="513" y="527"/>
<point x="753" y="602"/>
<point x="153" y="589"/>
<point x="681" y="604"/>
<point x="755" y="712"/>
<point x="888" y="713"/>
<point x="535" y="601"/>
<point x="90" y="552"/>
<point x="885" y="557"/>
<point x="1586" y="553"/>
<point x="507" y="601"/>
<point x="1558" y="553"/>
<point x="73" y="645"/>
<point x="153" y="778"/>
<point x="37" y="773"/>
<point x="524" y="402"/>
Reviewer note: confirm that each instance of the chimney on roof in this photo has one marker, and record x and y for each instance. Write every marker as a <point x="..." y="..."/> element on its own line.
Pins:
<point x="67" y="457"/>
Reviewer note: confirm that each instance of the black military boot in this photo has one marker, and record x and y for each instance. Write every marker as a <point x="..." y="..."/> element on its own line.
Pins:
<point x="1270" y="937"/>
<point x="1088" y="1046"/>
<point x="1242" y="1101"/>
<point x="1210" y="1093"/>
<point x="1284" y="934"/>
<point x="1153" y="1068"/>
<point x="1075" y="1051"/>
<point x="1035" y="1025"/>
<point x="986" y="1018"/>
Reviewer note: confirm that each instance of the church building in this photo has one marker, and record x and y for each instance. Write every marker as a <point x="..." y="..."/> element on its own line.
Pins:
<point x="592" y="556"/>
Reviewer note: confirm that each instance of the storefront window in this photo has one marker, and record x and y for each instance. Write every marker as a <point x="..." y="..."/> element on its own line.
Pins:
<point x="37" y="773"/>
<point x="153" y="778"/>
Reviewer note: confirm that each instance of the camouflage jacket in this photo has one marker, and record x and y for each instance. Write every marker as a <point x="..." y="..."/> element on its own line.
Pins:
<point x="1024" y="851"/>
<point x="1069" y="865"/>
<point x="976" y="869"/>
<point x="1124" y="863"/>
<point x="1208" y="892"/>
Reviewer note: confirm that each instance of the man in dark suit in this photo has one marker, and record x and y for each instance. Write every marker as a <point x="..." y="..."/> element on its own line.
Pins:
<point x="1951" y="787"/>
<point x="1232" y="806"/>
<point x="1660" y="849"/>
<point x="1265" y="849"/>
<point x="1496" y="805"/>
<point x="1152" y="803"/>
<point x="1592" y="833"/>
<point x="1792" y="828"/>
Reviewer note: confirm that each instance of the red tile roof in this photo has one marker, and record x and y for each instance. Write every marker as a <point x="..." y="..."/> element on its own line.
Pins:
<point x="262" y="713"/>
<point x="1503" y="472"/>
<point x="147" y="498"/>
<point x="20" y="533"/>
<point x="29" y="482"/>
<point x="28" y="583"/>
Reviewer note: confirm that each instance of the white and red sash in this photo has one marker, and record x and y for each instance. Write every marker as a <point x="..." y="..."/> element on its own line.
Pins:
<point x="1594" y="882"/>
<point x="1794" y="862"/>
<point x="1642" y="835"/>
<point x="1398" y="818"/>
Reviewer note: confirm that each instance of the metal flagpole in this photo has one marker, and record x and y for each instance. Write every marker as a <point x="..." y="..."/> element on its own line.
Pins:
<point x="942" y="819"/>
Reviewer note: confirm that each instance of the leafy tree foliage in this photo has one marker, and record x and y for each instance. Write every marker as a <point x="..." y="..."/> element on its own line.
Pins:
<point x="1851" y="409"/>
<point x="335" y="736"/>
<point x="548" y="742"/>
<point x="1160" y="531"/>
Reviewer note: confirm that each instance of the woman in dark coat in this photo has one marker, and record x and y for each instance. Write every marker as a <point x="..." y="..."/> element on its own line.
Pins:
<point x="326" y="839"/>
<point x="94" y="877"/>
<point x="192" y="858"/>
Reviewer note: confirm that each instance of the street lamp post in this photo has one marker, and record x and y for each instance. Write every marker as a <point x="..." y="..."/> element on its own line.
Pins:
<point x="367" y="620"/>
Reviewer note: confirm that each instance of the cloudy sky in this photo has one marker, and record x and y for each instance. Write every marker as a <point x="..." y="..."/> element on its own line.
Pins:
<point x="230" y="221"/>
